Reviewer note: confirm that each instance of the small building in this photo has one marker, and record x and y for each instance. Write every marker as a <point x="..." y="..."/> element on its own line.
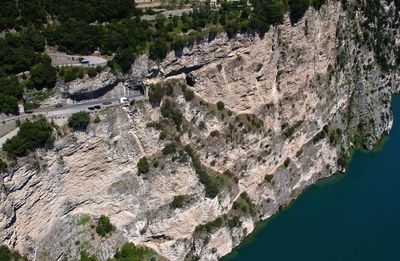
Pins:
<point x="97" y="53"/>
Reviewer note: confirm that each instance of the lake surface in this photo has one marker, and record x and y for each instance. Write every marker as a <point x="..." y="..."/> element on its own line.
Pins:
<point x="352" y="216"/>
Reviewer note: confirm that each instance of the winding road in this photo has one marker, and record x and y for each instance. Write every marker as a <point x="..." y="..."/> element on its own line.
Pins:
<point x="54" y="112"/>
<point x="67" y="109"/>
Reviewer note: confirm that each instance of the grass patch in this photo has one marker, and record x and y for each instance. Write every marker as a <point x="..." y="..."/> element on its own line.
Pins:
<point x="83" y="220"/>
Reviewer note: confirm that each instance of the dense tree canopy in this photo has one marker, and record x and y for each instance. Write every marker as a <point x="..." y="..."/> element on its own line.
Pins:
<point x="91" y="10"/>
<point x="31" y="135"/>
<point x="158" y="50"/>
<point x="14" y="14"/>
<point x="43" y="76"/>
<point x="75" y="36"/>
<point x="115" y="28"/>
<point x="10" y="92"/>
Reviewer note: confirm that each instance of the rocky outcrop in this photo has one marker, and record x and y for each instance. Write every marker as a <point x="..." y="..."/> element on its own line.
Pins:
<point x="90" y="88"/>
<point x="295" y="102"/>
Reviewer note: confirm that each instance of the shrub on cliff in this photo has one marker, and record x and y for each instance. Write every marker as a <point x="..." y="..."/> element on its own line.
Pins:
<point x="178" y="201"/>
<point x="156" y="93"/>
<point x="158" y="50"/>
<point x="92" y="72"/>
<point x="79" y="121"/>
<point x="103" y="226"/>
<point x="214" y="133"/>
<point x="131" y="252"/>
<point x="187" y="93"/>
<point x="298" y="8"/>
<point x="3" y="165"/>
<point x="169" y="149"/>
<point x="220" y="105"/>
<point x="10" y="255"/>
<point x="170" y="110"/>
<point x="143" y="165"/>
<point x="72" y="73"/>
<point x="211" y="185"/>
<point x="31" y="135"/>
<point x="87" y="257"/>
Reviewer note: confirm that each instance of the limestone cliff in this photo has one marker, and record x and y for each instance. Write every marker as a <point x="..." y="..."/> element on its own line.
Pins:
<point x="296" y="100"/>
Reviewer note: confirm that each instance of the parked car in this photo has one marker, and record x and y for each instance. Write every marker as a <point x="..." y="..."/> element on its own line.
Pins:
<point x="97" y="107"/>
<point x="91" y="108"/>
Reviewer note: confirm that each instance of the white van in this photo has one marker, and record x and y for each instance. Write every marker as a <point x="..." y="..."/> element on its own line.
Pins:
<point x="123" y="100"/>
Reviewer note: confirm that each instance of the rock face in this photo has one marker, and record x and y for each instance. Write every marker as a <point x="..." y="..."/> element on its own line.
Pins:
<point x="89" y="88"/>
<point x="295" y="102"/>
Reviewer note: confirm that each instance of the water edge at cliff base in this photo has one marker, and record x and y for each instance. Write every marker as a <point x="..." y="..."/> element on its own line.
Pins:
<point x="348" y="217"/>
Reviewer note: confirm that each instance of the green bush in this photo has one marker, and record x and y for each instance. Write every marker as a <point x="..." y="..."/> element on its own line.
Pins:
<point x="156" y="93"/>
<point x="131" y="252"/>
<point x="83" y="220"/>
<point x="170" y="110"/>
<point x="71" y="73"/>
<point x="343" y="160"/>
<point x="187" y="93"/>
<point x="210" y="226"/>
<point x="220" y="105"/>
<point x="79" y="121"/>
<point x="178" y="201"/>
<point x="87" y="257"/>
<point x="10" y="255"/>
<point x="103" y="226"/>
<point x="211" y="186"/>
<point x="92" y="72"/>
<point x="214" y="133"/>
<point x="169" y="149"/>
<point x="143" y="165"/>
<point x="3" y="166"/>
<point x="297" y="9"/>
<point x="234" y="222"/>
<point x="31" y="135"/>
<point x="162" y="136"/>
<point x="125" y="58"/>
<point x="158" y="50"/>
<point x="202" y="125"/>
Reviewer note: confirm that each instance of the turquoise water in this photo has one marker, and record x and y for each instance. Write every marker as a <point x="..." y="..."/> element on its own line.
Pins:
<point x="352" y="216"/>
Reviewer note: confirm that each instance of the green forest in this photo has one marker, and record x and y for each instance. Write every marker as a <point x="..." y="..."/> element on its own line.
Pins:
<point x="116" y="29"/>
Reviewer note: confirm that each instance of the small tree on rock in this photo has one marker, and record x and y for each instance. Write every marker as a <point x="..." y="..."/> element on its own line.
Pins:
<point x="103" y="226"/>
<point x="220" y="105"/>
<point x="143" y="165"/>
<point x="79" y="121"/>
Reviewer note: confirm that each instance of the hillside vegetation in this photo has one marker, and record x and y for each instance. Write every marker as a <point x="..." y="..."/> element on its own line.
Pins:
<point x="114" y="27"/>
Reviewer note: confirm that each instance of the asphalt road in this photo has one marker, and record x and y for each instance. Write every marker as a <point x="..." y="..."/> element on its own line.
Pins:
<point x="51" y="112"/>
<point x="169" y="13"/>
